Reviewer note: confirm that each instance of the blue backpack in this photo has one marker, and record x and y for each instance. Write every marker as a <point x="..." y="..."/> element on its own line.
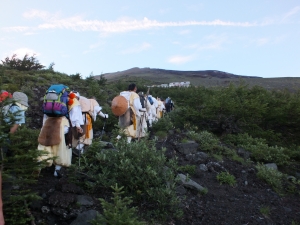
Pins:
<point x="56" y="100"/>
<point x="150" y="100"/>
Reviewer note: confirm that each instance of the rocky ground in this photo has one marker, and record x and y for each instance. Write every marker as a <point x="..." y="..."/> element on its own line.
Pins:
<point x="65" y="203"/>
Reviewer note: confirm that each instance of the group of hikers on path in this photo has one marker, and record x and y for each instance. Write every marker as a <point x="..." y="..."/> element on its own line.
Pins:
<point x="68" y="118"/>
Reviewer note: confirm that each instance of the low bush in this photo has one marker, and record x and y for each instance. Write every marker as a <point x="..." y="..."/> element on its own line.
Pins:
<point x="226" y="178"/>
<point x="271" y="176"/>
<point x="207" y="141"/>
<point x="140" y="168"/>
<point x="118" y="211"/>
<point x="260" y="150"/>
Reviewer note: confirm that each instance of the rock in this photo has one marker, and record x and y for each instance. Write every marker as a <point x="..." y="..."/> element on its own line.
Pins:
<point x="243" y="153"/>
<point x="85" y="200"/>
<point x="271" y="166"/>
<point x="189" y="147"/>
<point x="180" y="190"/>
<point x="45" y="209"/>
<point x="215" y="167"/>
<point x="62" y="200"/>
<point x="203" y="167"/>
<point x="85" y="217"/>
<point x="71" y="188"/>
<point x="190" y="183"/>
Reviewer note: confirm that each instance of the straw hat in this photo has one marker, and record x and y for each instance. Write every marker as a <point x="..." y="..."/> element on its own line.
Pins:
<point x="119" y="105"/>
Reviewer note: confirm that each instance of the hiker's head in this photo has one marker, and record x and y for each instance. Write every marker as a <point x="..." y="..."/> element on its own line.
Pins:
<point x="132" y="87"/>
<point x="22" y="99"/>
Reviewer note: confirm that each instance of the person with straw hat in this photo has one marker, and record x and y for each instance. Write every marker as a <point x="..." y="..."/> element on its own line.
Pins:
<point x="128" y="107"/>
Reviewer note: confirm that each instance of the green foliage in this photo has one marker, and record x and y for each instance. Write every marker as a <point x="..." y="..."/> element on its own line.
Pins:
<point x="140" y="168"/>
<point x="25" y="64"/>
<point x="190" y="169"/>
<point x="271" y="176"/>
<point x="260" y="151"/>
<point x="117" y="212"/>
<point x="265" y="210"/>
<point x="226" y="178"/>
<point x="163" y="124"/>
<point x="204" y="191"/>
<point x="207" y="141"/>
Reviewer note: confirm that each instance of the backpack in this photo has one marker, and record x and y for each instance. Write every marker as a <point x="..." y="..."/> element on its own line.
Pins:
<point x="142" y="100"/>
<point x="168" y="101"/>
<point x="55" y="101"/>
<point x="150" y="100"/>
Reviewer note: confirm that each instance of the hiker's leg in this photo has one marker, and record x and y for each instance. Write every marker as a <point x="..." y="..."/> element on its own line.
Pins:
<point x="57" y="168"/>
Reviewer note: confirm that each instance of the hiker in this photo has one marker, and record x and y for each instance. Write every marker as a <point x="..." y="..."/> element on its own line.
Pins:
<point x="56" y="134"/>
<point x="128" y="107"/>
<point x="168" y="104"/>
<point x="142" y="123"/>
<point x="14" y="115"/>
<point x="152" y="115"/>
<point x="90" y="109"/>
<point x="160" y="108"/>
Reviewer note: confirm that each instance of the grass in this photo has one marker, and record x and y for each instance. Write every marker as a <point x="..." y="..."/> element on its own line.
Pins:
<point x="265" y="210"/>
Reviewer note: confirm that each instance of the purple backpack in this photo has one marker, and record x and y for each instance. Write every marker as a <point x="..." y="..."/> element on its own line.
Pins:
<point x="56" y="101"/>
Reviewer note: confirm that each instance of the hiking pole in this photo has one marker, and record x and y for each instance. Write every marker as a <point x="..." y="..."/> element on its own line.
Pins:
<point x="103" y="128"/>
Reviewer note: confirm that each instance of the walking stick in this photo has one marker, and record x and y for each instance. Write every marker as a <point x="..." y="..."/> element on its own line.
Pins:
<point x="103" y="128"/>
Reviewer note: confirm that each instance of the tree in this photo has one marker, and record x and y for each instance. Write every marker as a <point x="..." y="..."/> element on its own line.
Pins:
<point x="102" y="81"/>
<point x="25" y="64"/>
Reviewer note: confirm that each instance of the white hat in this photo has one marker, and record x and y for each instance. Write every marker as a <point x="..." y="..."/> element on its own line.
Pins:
<point x="21" y="98"/>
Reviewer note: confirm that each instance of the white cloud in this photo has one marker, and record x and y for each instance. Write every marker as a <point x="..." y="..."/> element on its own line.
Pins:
<point x="21" y="52"/>
<point x="37" y="14"/>
<point x="292" y="12"/>
<point x="78" y="23"/>
<point x="137" y="49"/>
<point x="179" y="59"/>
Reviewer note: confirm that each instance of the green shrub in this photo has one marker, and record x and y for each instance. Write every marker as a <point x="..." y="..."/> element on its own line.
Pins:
<point x="265" y="210"/>
<point x="190" y="169"/>
<point x="260" y="150"/>
<point x="207" y="141"/>
<point x="271" y="176"/>
<point x="226" y="178"/>
<point x="117" y="212"/>
<point x="163" y="124"/>
<point x="140" y="168"/>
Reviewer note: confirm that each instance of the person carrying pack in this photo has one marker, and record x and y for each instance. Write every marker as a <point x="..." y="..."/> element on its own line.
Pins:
<point x="61" y="112"/>
<point x="13" y="109"/>
<point x="127" y="106"/>
<point x="90" y="109"/>
<point x="168" y="104"/>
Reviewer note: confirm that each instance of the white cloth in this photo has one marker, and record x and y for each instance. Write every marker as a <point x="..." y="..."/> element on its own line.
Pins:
<point x="136" y="102"/>
<point x="76" y="116"/>
<point x="97" y="110"/>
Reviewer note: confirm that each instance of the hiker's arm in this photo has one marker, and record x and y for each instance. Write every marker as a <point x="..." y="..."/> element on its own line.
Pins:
<point x="14" y="128"/>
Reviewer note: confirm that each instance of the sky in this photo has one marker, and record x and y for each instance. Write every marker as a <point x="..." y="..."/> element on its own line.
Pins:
<point x="93" y="37"/>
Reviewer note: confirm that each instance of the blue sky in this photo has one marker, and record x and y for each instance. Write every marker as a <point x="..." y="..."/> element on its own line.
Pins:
<point x="244" y="37"/>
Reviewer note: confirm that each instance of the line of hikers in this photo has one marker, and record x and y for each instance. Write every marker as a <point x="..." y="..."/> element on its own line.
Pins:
<point x="68" y="121"/>
<point x="135" y="110"/>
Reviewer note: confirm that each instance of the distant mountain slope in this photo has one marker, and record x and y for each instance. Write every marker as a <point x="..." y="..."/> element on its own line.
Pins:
<point x="206" y="78"/>
<point x="147" y="71"/>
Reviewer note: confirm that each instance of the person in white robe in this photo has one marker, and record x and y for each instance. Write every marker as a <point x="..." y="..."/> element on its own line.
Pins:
<point x="138" y="126"/>
<point x="90" y="109"/>
<point x="160" y="108"/>
<point x="52" y="136"/>
<point x="152" y="115"/>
